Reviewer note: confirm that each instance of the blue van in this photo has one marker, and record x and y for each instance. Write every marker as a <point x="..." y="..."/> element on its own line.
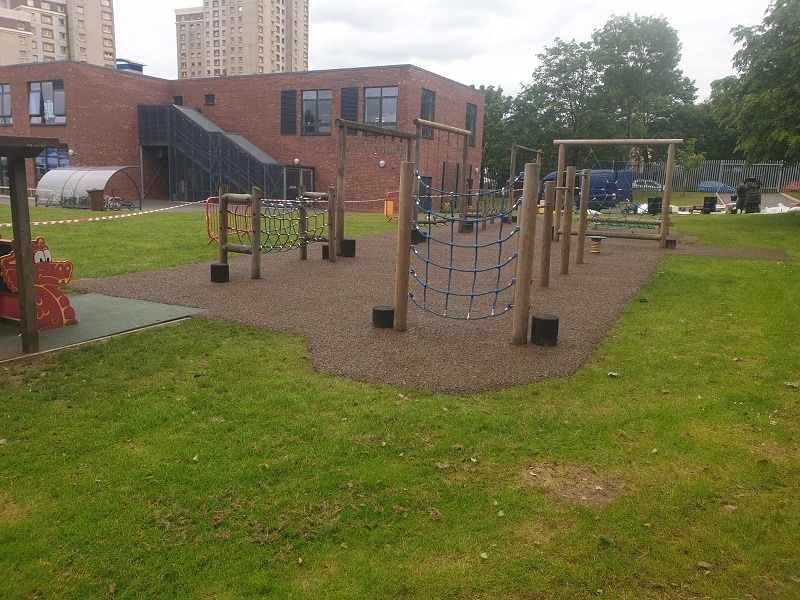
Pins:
<point x="602" y="188"/>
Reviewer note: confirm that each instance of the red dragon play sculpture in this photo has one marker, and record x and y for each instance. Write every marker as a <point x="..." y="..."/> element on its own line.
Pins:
<point x="53" y="309"/>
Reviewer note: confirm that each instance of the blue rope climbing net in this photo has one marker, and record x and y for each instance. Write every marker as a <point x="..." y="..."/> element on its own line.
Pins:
<point x="466" y="252"/>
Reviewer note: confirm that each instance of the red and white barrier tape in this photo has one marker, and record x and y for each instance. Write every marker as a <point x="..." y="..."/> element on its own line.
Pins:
<point x="103" y="218"/>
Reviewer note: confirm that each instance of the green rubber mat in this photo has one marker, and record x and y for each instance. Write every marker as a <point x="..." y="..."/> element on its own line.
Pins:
<point x="98" y="317"/>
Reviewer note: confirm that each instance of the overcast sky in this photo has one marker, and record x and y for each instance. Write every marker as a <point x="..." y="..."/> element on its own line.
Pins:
<point x="476" y="42"/>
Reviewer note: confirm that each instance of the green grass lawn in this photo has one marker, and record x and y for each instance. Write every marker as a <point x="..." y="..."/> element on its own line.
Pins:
<point x="176" y="463"/>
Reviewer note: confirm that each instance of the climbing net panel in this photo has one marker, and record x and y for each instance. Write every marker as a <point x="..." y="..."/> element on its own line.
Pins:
<point x="616" y="205"/>
<point x="465" y="257"/>
<point x="284" y="224"/>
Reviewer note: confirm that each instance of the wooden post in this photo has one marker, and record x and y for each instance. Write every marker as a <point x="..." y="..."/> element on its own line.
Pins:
<point x="255" y="234"/>
<point x="527" y="237"/>
<point x="403" y="262"/>
<point x="585" y="182"/>
<point x="667" y="196"/>
<point x="331" y="224"/>
<point x="462" y="183"/>
<point x="23" y="251"/>
<point x="335" y="244"/>
<point x="222" y="207"/>
<point x="569" y="198"/>
<point x="547" y="228"/>
<point x="302" y="226"/>
<point x="559" y="203"/>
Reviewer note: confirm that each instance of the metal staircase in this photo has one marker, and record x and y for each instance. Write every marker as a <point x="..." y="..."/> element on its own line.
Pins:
<point x="201" y="157"/>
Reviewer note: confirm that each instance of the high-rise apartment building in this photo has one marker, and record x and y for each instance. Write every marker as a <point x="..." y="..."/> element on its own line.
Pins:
<point x="238" y="37"/>
<point x="42" y="30"/>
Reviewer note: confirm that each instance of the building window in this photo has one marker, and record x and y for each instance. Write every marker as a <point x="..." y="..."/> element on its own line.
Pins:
<point x="288" y="112"/>
<point x="316" y="112"/>
<point x="210" y="100"/>
<point x="380" y="106"/>
<point x="472" y="121"/>
<point x="47" y="19"/>
<point x="47" y="103"/>
<point x="427" y="111"/>
<point x="5" y="104"/>
<point x="106" y="16"/>
<point x="51" y="158"/>
<point x="177" y="100"/>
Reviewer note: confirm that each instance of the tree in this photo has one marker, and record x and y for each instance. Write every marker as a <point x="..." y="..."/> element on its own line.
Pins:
<point x="496" y="139"/>
<point x="638" y="58"/>
<point x="561" y="100"/>
<point x="760" y="106"/>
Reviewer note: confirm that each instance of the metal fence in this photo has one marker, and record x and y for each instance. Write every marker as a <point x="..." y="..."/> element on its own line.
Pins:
<point x="773" y="176"/>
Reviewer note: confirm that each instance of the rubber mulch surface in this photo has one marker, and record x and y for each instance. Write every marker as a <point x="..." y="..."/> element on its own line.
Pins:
<point x="330" y="304"/>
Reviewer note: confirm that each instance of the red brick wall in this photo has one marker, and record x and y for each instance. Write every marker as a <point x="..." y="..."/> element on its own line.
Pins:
<point x="250" y="106"/>
<point x="102" y="118"/>
<point x="102" y="126"/>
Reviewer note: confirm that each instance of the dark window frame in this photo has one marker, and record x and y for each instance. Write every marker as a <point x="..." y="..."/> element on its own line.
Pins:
<point x="427" y="110"/>
<point x="210" y="100"/>
<point x="47" y="103"/>
<point x="471" y="122"/>
<point x="288" y="112"/>
<point x="383" y="102"/>
<point x="177" y="100"/>
<point x="314" y="112"/>
<point x="5" y="104"/>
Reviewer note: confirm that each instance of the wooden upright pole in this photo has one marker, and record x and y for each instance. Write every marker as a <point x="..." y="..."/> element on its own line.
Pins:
<point x="335" y="246"/>
<point x="558" y="204"/>
<point x="585" y="178"/>
<point x="23" y="251"/>
<point x="667" y="196"/>
<point x="255" y="235"/>
<point x="547" y="236"/>
<point x="222" y="207"/>
<point x="569" y="198"/>
<point x="332" y="223"/>
<point x="403" y="261"/>
<point x="527" y="237"/>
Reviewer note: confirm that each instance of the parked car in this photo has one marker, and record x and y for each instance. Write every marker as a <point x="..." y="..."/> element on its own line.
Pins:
<point x="647" y="184"/>
<point x="792" y="186"/>
<point x="715" y="186"/>
<point x="602" y="188"/>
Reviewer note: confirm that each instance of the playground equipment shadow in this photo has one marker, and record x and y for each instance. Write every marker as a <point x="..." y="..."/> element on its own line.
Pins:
<point x="99" y="316"/>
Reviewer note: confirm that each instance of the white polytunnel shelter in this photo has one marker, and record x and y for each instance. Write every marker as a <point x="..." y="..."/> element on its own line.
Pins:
<point x="69" y="186"/>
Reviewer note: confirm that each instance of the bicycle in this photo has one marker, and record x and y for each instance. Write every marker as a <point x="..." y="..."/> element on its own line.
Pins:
<point x="116" y="203"/>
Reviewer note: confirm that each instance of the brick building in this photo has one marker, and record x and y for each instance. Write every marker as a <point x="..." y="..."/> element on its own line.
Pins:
<point x="191" y="135"/>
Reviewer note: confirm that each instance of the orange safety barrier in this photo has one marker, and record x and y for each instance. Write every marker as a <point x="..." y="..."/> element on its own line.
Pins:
<point x="391" y="204"/>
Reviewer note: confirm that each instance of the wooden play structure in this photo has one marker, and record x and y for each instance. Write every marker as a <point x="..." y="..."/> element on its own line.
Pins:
<point x="280" y="225"/>
<point x="450" y="279"/>
<point x="561" y="189"/>
<point x="16" y="149"/>
<point x="53" y="309"/>
<point x="346" y="128"/>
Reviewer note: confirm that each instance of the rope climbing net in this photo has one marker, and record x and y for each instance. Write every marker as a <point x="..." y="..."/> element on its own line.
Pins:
<point x="285" y="224"/>
<point x="467" y="277"/>
<point x="616" y="204"/>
